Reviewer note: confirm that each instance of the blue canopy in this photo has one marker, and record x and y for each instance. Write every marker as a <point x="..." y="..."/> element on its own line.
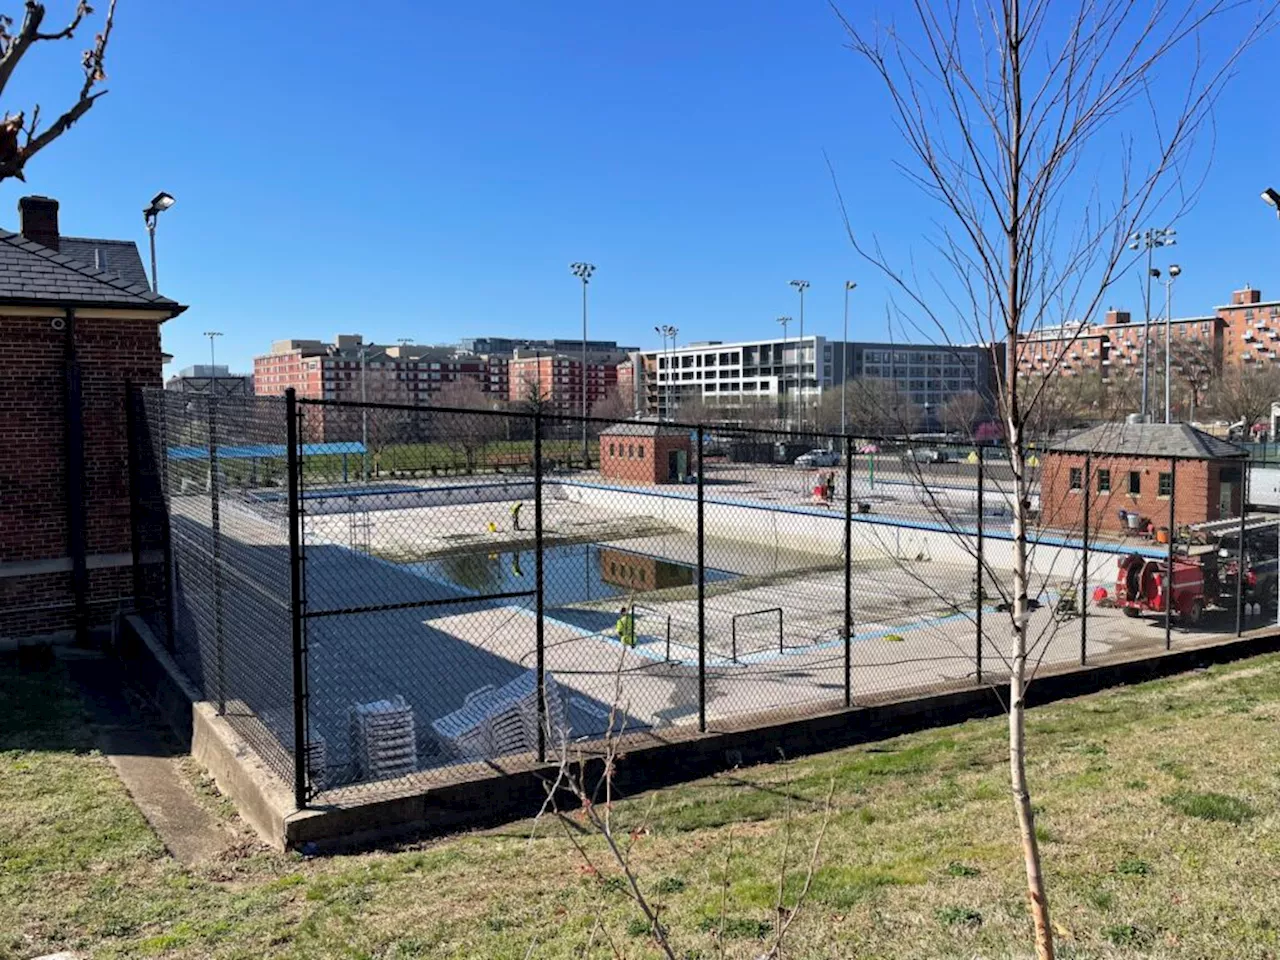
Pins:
<point x="264" y="451"/>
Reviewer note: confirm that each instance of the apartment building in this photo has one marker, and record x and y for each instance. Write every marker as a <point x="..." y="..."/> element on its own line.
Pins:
<point x="1240" y="334"/>
<point x="350" y="369"/>
<point x="556" y="379"/>
<point x="793" y="372"/>
<point x="507" y="346"/>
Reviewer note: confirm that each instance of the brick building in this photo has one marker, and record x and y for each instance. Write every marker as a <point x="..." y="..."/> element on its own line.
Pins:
<point x="645" y="453"/>
<point x="1242" y="333"/>
<point x="557" y="380"/>
<point x="350" y="369"/>
<point x="1127" y="466"/>
<point x="77" y="320"/>
<point x="403" y="373"/>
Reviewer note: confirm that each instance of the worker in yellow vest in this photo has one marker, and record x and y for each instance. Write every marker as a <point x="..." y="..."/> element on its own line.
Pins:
<point x="626" y="626"/>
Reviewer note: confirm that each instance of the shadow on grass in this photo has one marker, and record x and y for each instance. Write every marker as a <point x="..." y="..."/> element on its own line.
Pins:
<point x="40" y="709"/>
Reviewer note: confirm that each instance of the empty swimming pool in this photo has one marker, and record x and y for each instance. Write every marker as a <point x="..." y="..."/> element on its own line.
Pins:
<point x="571" y="573"/>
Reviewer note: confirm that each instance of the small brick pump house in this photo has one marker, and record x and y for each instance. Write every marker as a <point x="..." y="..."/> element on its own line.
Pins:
<point x="645" y="453"/>
<point x="1135" y="467"/>
<point x="77" y="319"/>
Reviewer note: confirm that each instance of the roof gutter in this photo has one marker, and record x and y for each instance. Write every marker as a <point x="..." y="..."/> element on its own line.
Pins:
<point x="171" y="308"/>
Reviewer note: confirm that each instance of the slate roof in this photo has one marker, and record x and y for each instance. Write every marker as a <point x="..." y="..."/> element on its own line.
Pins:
<point x="644" y="428"/>
<point x="119" y="258"/>
<point x="1179" y="440"/>
<point x="31" y="272"/>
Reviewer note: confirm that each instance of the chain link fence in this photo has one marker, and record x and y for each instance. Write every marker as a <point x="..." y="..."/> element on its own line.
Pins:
<point x="405" y="595"/>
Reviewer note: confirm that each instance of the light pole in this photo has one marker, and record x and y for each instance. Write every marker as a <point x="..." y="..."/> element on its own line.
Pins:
<point x="159" y="203"/>
<point x="364" y="412"/>
<point x="667" y="332"/>
<point x="583" y="272"/>
<point x="1272" y="199"/>
<point x="849" y="285"/>
<point x="672" y="395"/>
<point x="1174" y="271"/>
<point x="801" y="286"/>
<point x="1149" y="239"/>
<point x="213" y="363"/>
<point x="785" y="321"/>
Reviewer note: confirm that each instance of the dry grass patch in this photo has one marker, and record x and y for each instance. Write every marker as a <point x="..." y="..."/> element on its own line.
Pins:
<point x="1156" y="805"/>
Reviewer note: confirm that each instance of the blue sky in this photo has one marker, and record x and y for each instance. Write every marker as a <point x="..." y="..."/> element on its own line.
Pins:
<point x="429" y="171"/>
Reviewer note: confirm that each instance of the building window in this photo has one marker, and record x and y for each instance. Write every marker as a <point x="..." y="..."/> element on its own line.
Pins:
<point x="1104" y="481"/>
<point x="1135" y="482"/>
<point x="631" y="450"/>
<point x="1076" y="478"/>
<point x="1164" y="485"/>
<point x="612" y="451"/>
<point x="640" y="451"/>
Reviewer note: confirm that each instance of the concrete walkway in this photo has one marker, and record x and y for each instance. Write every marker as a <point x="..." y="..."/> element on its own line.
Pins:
<point x="145" y="757"/>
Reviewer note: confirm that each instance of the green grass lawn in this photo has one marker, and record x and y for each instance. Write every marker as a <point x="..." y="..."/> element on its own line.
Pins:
<point x="1157" y="811"/>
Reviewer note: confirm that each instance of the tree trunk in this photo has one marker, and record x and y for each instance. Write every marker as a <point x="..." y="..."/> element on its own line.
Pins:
<point x="1036" y="896"/>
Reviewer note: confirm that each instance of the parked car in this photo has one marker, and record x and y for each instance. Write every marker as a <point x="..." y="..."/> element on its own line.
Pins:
<point x="929" y="455"/>
<point x="818" y="458"/>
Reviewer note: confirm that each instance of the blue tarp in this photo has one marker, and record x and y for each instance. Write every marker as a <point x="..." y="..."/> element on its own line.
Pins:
<point x="264" y="451"/>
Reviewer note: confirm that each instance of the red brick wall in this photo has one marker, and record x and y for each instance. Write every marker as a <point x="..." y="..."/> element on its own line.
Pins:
<point x="1196" y="490"/>
<point x="626" y="465"/>
<point x="33" y="505"/>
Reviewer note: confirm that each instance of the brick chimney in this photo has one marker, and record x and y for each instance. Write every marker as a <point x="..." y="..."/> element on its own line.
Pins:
<point x="38" y="217"/>
<point x="1246" y="296"/>
<point x="1115" y="316"/>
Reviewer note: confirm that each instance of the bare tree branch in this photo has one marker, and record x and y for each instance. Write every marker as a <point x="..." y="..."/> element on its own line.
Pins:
<point x="14" y="155"/>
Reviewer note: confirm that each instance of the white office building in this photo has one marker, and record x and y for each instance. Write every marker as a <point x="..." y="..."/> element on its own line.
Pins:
<point x="794" y="373"/>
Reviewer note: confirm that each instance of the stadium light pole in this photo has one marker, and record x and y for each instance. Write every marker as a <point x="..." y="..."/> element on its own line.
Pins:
<point x="212" y="335"/>
<point x="1272" y="199"/>
<point x="667" y="332"/>
<point x="849" y="285"/>
<point x="672" y="395"/>
<point x="662" y="332"/>
<point x="1174" y="271"/>
<point x="801" y="286"/>
<point x="583" y="272"/>
<point x="159" y="203"/>
<point x="785" y="321"/>
<point x="1149" y="239"/>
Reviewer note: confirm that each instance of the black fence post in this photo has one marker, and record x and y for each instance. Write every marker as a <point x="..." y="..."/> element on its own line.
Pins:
<point x="1173" y="536"/>
<point x="1246" y="469"/>
<point x="702" y="597"/>
<point x="170" y="601"/>
<point x="135" y="506"/>
<point x="300" y="747"/>
<point x="538" y="591"/>
<point x="848" y="573"/>
<point x="979" y="594"/>
<point x="215" y="523"/>
<point x="1083" y="599"/>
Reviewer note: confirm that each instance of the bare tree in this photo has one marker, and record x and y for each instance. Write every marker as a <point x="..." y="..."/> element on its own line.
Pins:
<point x="1245" y="395"/>
<point x="760" y="413"/>
<point x="22" y="139"/>
<point x="877" y="407"/>
<point x="961" y="413"/>
<point x="1009" y="110"/>
<point x="467" y="432"/>
<point x="1194" y="369"/>
<point x="614" y="405"/>
<point x="594" y="797"/>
